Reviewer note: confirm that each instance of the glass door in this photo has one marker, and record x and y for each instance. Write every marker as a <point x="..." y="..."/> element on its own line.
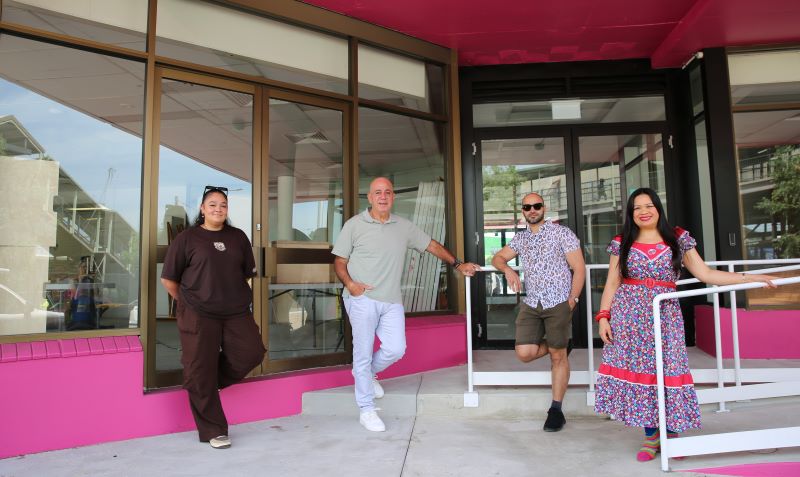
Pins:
<point x="206" y="137"/>
<point x="304" y="323"/>
<point x="611" y="167"/>
<point x="281" y="157"/>
<point x="510" y="168"/>
<point x="584" y="174"/>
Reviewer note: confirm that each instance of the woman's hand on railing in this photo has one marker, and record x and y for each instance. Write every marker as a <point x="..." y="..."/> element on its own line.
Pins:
<point x="752" y="277"/>
<point x="604" y="330"/>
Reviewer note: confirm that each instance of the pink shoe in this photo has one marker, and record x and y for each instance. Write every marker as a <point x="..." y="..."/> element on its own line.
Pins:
<point x="650" y="447"/>
<point x="645" y="455"/>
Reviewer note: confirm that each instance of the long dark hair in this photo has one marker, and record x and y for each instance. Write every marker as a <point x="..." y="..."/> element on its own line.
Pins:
<point x="630" y="231"/>
<point x="200" y="219"/>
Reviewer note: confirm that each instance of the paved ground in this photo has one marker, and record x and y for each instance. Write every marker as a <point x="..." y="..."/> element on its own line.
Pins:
<point x="412" y="446"/>
<point x="433" y="438"/>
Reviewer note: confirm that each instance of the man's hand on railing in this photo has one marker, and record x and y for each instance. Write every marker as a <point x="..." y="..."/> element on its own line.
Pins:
<point x="468" y="269"/>
<point x="513" y="280"/>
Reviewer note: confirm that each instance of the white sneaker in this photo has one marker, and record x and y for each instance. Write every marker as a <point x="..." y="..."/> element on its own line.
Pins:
<point x="371" y="421"/>
<point x="220" y="442"/>
<point x="377" y="389"/>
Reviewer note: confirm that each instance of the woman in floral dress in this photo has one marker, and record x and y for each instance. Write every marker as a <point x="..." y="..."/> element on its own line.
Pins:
<point x="645" y="261"/>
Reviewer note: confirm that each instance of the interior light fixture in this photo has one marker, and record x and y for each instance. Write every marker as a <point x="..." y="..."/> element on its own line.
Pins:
<point x="566" y="109"/>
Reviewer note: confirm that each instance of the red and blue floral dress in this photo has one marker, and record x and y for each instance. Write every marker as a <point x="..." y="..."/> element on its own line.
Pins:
<point x="626" y="382"/>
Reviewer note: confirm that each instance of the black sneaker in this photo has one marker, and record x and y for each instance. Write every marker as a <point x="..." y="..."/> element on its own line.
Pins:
<point x="555" y="420"/>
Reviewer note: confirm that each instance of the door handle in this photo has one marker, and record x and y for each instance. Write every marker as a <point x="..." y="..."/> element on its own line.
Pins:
<point x="259" y="254"/>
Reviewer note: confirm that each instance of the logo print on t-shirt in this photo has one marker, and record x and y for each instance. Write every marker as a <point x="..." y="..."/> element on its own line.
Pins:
<point x="219" y="246"/>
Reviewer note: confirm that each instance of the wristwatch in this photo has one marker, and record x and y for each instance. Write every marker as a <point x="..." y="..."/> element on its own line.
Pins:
<point x="457" y="263"/>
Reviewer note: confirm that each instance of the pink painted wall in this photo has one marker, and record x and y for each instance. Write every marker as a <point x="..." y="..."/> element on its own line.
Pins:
<point x="763" y="334"/>
<point x="68" y="393"/>
<point x="431" y="343"/>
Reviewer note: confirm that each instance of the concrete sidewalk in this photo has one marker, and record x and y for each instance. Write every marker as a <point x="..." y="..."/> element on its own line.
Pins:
<point x="427" y="435"/>
<point x="412" y="446"/>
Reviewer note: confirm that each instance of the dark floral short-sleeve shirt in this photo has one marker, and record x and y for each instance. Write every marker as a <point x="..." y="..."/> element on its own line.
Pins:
<point x="543" y="256"/>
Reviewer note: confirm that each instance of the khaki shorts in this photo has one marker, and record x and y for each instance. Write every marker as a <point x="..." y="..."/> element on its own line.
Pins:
<point x="553" y="325"/>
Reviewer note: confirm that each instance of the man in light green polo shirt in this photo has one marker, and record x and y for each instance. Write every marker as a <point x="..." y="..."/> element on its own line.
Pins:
<point x="370" y="254"/>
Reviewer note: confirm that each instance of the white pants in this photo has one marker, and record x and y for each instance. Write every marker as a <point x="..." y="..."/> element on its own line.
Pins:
<point x="369" y="317"/>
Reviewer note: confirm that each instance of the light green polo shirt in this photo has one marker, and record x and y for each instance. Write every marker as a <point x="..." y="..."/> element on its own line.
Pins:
<point x="376" y="252"/>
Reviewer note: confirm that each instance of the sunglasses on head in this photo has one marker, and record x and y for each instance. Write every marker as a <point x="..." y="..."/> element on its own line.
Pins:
<point x="536" y="206"/>
<point x="209" y="189"/>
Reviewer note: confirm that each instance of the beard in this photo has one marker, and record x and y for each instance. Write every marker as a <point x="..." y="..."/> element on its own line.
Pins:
<point x="534" y="220"/>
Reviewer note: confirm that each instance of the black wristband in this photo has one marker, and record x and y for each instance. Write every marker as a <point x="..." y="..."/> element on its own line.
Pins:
<point x="457" y="263"/>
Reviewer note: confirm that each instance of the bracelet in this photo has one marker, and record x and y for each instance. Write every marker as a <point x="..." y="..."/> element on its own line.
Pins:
<point x="602" y="314"/>
<point x="457" y="263"/>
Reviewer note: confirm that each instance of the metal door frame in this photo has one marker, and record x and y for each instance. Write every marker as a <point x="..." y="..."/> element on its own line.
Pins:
<point x="571" y="133"/>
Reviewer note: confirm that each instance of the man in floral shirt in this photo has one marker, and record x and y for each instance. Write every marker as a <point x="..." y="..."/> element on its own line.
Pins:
<point x="547" y="251"/>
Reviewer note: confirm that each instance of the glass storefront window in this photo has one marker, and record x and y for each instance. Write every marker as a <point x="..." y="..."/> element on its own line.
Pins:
<point x="306" y="196"/>
<point x="409" y="152"/>
<point x="208" y="34"/>
<point x="206" y="138"/>
<point x="71" y="162"/>
<point x="764" y="78"/>
<point x="768" y="157"/>
<point x="400" y="80"/>
<point x="115" y="22"/>
<point x="765" y="89"/>
<point x="569" y="111"/>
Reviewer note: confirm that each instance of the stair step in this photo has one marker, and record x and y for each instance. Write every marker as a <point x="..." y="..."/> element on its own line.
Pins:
<point x="441" y="393"/>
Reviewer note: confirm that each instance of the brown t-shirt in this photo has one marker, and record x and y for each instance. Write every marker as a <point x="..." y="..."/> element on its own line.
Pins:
<point x="212" y="268"/>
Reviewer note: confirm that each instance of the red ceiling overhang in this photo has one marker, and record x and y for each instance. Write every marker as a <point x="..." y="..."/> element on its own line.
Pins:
<point x="538" y="31"/>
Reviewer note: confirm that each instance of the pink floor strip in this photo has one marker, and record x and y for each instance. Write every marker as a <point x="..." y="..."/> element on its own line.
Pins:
<point x="773" y="469"/>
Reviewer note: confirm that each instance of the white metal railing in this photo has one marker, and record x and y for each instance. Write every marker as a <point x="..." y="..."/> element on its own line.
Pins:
<point x="719" y="375"/>
<point x="703" y="376"/>
<point x="730" y="441"/>
<point x="776" y="382"/>
<point x="503" y="378"/>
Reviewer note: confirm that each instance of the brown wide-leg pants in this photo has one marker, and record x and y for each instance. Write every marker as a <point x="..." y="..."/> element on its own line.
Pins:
<point x="216" y="354"/>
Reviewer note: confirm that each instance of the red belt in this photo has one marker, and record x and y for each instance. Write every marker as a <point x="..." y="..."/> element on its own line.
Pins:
<point x="648" y="282"/>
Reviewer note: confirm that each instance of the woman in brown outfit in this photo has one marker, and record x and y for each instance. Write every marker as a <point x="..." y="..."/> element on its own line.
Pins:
<point x="206" y="271"/>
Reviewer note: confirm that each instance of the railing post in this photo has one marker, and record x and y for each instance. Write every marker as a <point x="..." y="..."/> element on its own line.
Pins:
<point x="737" y="362"/>
<point x="471" y="398"/>
<point x="468" y="289"/>
<point x="662" y="403"/>
<point x="590" y="338"/>
<point x="718" y="347"/>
